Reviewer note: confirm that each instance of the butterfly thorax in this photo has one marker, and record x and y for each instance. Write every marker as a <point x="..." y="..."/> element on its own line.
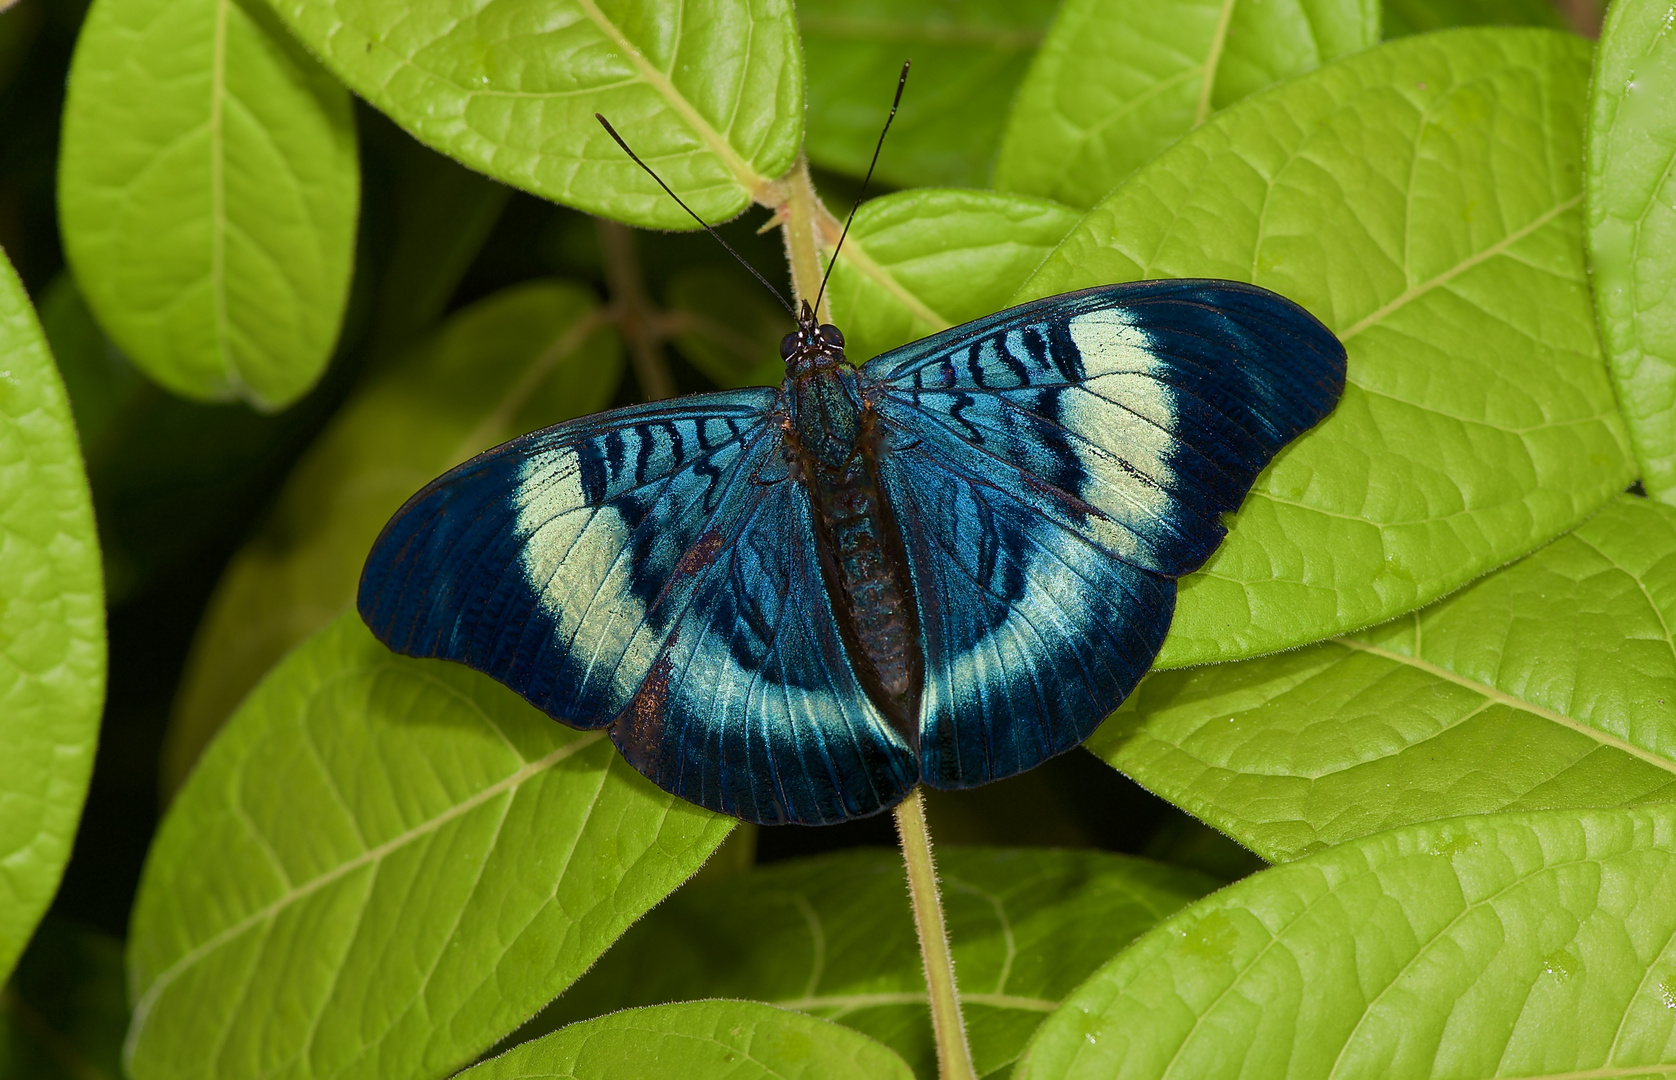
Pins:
<point x="834" y="441"/>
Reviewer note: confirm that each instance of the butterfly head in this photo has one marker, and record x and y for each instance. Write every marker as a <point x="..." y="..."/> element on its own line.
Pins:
<point x="812" y="346"/>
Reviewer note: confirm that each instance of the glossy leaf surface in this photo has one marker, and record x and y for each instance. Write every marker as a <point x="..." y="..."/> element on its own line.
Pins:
<point x="916" y="262"/>
<point x="1118" y="81"/>
<point x="1551" y="683"/>
<point x="381" y="867"/>
<point x="52" y="624"/>
<point x="1631" y="183"/>
<point x="708" y="92"/>
<point x="968" y="61"/>
<point x="834" y="936"/>
<point x="528" y="356"/>
<point x="1510" y="945"/>
<point x="207" y="193"/>
<point x="1422" y="199"/>
<point x="703" y="1040"/>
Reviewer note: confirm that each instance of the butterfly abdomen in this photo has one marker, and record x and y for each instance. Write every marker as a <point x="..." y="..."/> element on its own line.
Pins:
<point x="862" y="560"/>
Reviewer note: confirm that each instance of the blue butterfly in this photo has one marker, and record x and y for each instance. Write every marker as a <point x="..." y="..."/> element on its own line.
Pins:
<point x="946" y="566"/>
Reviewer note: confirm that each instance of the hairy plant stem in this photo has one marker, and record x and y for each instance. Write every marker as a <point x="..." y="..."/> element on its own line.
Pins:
<point x="638" y="320"/>
<point x="809" y="227"/>
<point x="954" y="1057"/>
<point x="806" y="223"/>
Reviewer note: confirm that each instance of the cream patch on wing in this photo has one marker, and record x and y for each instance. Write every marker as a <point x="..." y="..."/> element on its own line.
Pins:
<point x="576" y="559"/>
<point x="1039" y="626"/>
<point x="1126" y="413"/>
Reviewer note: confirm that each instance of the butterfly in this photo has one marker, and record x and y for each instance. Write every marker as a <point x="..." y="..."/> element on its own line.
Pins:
<point x="945" y="566"/>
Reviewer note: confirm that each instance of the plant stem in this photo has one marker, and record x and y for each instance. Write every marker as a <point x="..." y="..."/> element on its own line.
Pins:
<point x="635" y="314"/>
<point x="954" y="1057"/>
<point x="804" y="215"/>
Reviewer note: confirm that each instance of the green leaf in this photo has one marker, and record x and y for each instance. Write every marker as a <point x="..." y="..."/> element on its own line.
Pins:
<point x="968" y="61"/>
<point x="1117" y="81"/>
<point x="52" y="624"/>
<point x="64" y="1013"/>
<point x="382" y="866"/>
<point x="701" y="1040"/>
<point x="1631" y="183"/>
<point x="1404" y="17"/>
<point x="708" y="92"/>
<point x="1549" y="684"/>
<point x="207" y="193"/>
<point x="916" y="262"/>
<point x="528" y="356"/>
<point x="834" y="936"/>
<point x="1513" y="945"/>
<point x="1423" y="200"/>
<point x="727" y="326"/>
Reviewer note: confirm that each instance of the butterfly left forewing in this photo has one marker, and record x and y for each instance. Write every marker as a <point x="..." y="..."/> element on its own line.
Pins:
<point x="1054" y="468"/>
<point x="1154" y="403"/>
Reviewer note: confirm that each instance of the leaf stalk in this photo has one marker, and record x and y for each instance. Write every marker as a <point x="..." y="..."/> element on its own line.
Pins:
<point x="954" y="1056"/>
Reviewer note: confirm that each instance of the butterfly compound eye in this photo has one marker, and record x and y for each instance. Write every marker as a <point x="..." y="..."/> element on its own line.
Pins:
<point x="831" y="335"/>
<point x="788" y="345"/>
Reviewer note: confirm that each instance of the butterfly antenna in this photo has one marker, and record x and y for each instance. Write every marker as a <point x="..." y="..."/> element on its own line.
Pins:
<point x="609" y="130"/>
<point x="901" y="83"/>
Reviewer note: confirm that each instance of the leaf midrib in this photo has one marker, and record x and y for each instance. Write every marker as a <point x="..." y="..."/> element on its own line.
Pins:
<point x="1213" y="59"/>
<point x="1414" y="292"/>
<point x="145" y="1001"/>
<point x="218" y="198"/>
<point x="658" y="81"/>
<point x="1502" y="697"/>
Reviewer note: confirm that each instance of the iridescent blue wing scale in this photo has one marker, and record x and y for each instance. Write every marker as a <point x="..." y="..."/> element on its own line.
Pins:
<point x="753" y="707"/>
<point x="1053" y="469"/>
<point x="652" y="570"/>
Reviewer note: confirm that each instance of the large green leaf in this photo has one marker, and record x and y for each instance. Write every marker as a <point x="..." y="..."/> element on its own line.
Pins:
<point x="1423" y="200"/>
<point x="64" y="1012"/>
<point x="916" y="262"/>
<point x="833" y="935"/>
<point x="1403" y="17"/>
<point x="1549" y="684"/>
<point x="1631" y="184"/>
<point x="528" y="356"/>
<point x="1117" y="81"/>
<point x="382" y="866"/>
<point x="968" y="61"/>
<point x="700" y="1040"/>
<point x="1513" y="945"/>
<point x="708" y="92"/>
<point x="52" y="624"/>
<point x="207" y="194"/>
